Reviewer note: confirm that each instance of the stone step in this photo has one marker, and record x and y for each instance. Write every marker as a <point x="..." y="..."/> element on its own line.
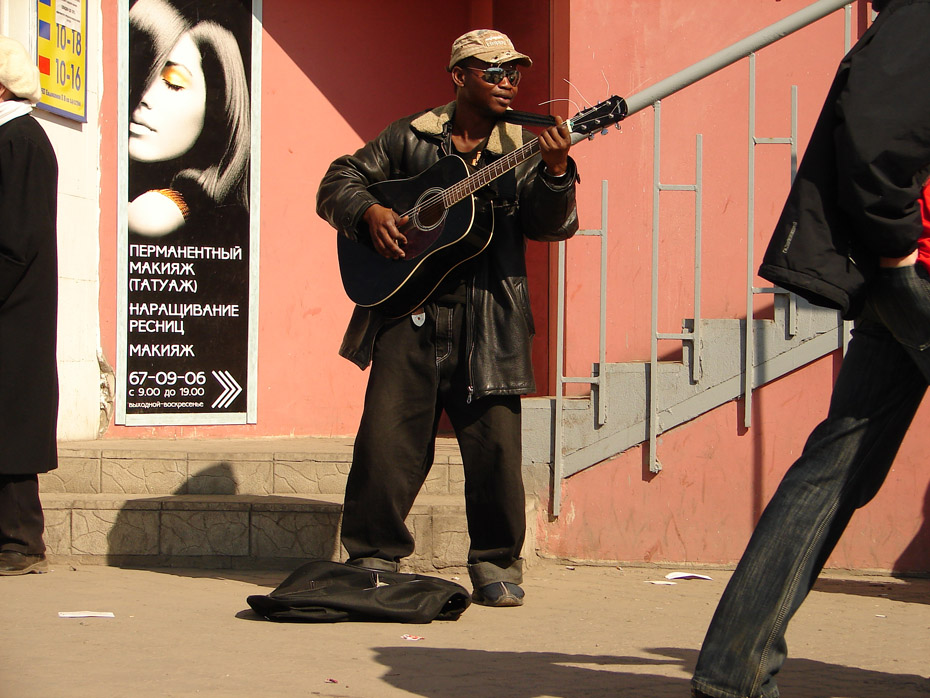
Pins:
<point x="312" y="466"/>
<point x="240" y="531"/>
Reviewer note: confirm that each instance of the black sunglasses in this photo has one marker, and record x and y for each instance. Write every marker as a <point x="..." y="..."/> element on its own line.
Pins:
<point x="495" y="75"/>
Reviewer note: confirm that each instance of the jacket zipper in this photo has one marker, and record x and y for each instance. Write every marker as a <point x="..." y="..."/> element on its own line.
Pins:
<point x="445" y="149"/>
<point x="469" y="301"/>
<point x="469" y="338"/>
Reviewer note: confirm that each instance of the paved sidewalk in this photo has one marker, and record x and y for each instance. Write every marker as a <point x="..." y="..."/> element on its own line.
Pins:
<point x="590" y="631"/>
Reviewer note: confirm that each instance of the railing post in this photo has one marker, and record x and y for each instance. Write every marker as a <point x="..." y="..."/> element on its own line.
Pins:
<point x="598" y="382"/>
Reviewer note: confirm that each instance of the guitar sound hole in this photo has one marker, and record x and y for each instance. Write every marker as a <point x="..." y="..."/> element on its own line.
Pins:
<point x="430" y="216"/>
<point x="430" y="211"/>
<point x="427" y="221"/>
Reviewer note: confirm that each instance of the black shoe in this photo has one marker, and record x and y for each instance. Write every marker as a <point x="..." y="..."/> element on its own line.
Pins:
<point x="498" y="594"/>
<point x="13" y="563"/>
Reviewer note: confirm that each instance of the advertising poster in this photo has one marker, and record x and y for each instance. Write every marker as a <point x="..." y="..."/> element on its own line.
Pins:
<point x="60" y="48"/>
<point x="188" y="277"/>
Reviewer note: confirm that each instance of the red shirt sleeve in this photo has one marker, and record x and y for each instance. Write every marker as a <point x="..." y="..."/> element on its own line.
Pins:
<point x="923" y="244"/>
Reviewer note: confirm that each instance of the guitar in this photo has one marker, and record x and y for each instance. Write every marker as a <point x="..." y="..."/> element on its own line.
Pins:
<point x="442" y="231"/>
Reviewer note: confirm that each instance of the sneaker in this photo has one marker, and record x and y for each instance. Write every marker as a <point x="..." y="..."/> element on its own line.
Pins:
<point x="13" y="563"/>
<point x="498" y="594"/>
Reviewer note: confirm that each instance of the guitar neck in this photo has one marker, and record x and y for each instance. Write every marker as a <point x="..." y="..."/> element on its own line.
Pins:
<point x="489" y="173"/>
<point x="580" y="126"/>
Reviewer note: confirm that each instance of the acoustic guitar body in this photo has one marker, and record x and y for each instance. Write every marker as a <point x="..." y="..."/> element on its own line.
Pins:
<point x="439" y="236"/>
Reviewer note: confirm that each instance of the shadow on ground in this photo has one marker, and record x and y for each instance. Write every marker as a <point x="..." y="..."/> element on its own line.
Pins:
<point x="907" y="590"/>
<point x="261" y="541"/>
<point x="458" y="673"/>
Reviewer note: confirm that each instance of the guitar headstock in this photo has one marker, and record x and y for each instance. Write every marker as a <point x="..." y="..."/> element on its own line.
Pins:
<point x="597" y="118"/>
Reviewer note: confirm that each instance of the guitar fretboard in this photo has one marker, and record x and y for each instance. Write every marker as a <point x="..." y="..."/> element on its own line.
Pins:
<point x="601" y="115"/>
<point x="488" y="174"/>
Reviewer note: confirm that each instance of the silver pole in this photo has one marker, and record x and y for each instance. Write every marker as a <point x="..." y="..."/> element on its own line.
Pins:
<point x="654" y="465"/>
<point x="601" y="384"/>
<point x="558" y="460"/>
<point x="731" y="54"/>
<point x="749" y="340"/>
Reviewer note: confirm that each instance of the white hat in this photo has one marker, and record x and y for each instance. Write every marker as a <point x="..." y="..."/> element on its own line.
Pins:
<point x="18" y="72"/>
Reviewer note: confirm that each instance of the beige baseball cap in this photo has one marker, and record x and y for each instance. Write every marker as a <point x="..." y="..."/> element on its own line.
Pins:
<point x="18" y="72"/>
<point x="488" y="45"/>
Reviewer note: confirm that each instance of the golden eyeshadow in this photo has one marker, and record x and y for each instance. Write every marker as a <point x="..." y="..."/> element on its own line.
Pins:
<point x="176" y="76"/>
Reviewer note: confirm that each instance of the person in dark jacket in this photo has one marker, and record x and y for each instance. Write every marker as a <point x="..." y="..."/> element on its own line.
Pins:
<point x="467" y="349"/>
<point x="848" y="238"/>
<point x="28" y="313"/>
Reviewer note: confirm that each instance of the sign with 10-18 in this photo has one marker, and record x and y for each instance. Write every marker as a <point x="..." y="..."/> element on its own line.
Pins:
<point x="61" y="53"/>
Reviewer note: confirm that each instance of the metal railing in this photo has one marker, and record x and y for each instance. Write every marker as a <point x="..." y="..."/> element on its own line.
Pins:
<point x="652" y="96"/>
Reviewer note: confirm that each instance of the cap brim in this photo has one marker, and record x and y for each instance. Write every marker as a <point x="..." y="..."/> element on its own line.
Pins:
<point x="496" y="58"/>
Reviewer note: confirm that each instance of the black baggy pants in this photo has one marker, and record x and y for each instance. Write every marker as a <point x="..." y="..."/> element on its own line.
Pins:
<point x="416" y="372"/>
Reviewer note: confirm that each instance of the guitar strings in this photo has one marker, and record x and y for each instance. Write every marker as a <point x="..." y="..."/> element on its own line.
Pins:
<point x="465" y="187"/>
<point x="460" y="190"/>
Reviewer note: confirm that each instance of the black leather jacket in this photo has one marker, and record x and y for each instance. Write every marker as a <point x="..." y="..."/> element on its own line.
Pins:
<point x="527" y="203"/>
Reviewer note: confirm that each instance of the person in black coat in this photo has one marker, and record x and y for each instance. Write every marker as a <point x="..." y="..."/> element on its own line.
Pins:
<point x="28" y="313"/>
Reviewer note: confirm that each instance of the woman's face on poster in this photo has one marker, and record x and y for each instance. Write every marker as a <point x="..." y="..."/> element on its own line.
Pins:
<point x="170" y="117"/>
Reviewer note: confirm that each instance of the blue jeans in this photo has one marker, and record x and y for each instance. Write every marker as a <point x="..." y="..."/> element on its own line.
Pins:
<point x="845" y="460"/>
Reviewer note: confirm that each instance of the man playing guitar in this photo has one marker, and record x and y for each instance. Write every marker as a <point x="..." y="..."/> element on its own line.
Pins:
<point x="467" y="348"/>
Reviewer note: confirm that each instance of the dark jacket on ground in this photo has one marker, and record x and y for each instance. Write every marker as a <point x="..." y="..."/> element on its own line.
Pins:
<point x="527" y="204"/>
<point x="855" y="195"/>
<point x="28" y="299"/>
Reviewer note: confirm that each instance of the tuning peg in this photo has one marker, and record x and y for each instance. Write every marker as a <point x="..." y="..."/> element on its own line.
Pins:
<point x="591" y="137"/>
<point x="604" y="132"/>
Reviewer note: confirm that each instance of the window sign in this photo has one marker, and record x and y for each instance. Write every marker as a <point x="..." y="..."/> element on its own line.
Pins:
<point x="188" y="253"/>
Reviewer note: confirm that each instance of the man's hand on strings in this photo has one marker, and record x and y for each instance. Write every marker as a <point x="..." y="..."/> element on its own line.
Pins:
<point x="554" y="143"/>
<point x="384" y="226"/>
